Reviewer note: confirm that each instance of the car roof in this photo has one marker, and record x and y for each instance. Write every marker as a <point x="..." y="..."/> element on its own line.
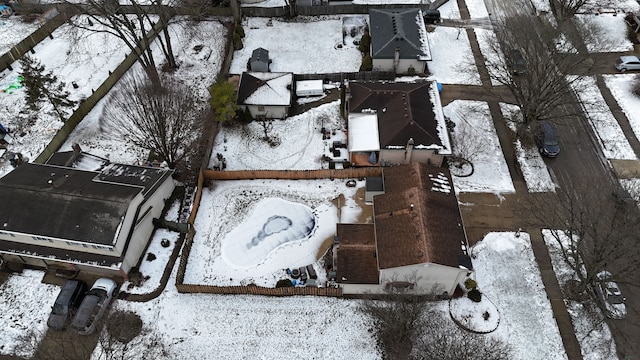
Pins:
<point x="628" y="58"/>
<point x="104" y="283"/>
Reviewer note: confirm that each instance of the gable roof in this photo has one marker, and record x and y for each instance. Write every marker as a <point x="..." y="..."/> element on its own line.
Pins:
<point x="260" y="54"/>
<point x="401" y="29"/>
<point x="404" y="110"/>
<point x="66" y="203"/>
<point x="356" y="255"/>
<point x="418" y="220"/>
<point x="265" y="88"/>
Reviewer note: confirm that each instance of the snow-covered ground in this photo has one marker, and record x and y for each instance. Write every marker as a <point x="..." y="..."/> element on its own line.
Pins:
<point x="305" y="46"/>
<point x="610" y="135"/>
<point x="452" y="60"/>
<point x="621" y="86"/>
<point x="609" y="32"/>
<point x="450" y="10"/>
<point x="14" y="30"/>
<point x="477" y="9"/>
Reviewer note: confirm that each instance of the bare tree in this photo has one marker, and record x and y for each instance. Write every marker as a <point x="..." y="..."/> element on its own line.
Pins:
<point x="566" y="9"/>
<point x="130" y="24"/>
<point x="525" y="59"/>
<point x="165" y="119"/>
<point x="410" y="327"/>
<point x="594" y="231"/>
<point x="443" y="340"/>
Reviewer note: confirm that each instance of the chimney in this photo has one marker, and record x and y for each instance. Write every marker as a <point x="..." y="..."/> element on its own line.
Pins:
<point x="408" y="151"/>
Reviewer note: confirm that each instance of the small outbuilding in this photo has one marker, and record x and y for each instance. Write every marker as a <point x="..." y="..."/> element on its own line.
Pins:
<point x="259" y="61"/>
<point x="309" y="88"/>
<point x="265" y="95"/>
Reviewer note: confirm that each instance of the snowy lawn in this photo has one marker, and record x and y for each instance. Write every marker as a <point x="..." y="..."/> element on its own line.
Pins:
<point x="592" y="333"/>
<point x="610" y="32"/>
<point x="506" y="272"/>
<point x="612" y="140"/>
<point x="301" y="144"/>
<point x="532" y="166"/>
<point x="294" y="46"/>
<point x="621" y="86"/>
<point x="14" y="30"/>
<point x="486" y="39"/>
<point x="197" y="67"/>
<point x="477" y="9"/>
<point x="450" y="10"/>
<point x="452" y="59"/>
<point x="22" y="313"/>
<point x="83" y="62"/>
<point x="232" y="213"/>
<point x="475" y="136"/>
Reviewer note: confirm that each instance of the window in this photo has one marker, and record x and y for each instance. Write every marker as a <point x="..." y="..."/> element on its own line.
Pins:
<point x="7" y="233"/>
<point x="261" y="108"/>
<point x="40" y="238"/>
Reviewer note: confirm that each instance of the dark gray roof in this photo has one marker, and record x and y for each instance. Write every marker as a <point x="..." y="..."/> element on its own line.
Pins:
<point x="67" y="203"/>
<point x="374" y="183"/>
<point x="78" y="160"/>
<point x="260" y="54"/>
<point x="397" y="28"/>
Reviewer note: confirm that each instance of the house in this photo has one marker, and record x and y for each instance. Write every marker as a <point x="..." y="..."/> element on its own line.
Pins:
<point x="399" y="41"/>
<point x="62" y="216"/>
<point x="417" y="242"/>
<point x="259" y="61"/>
<point x="265" y="95"/>
<point x="395" y="123"/>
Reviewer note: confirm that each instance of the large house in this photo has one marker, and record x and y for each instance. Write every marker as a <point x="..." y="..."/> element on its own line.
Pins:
<point x="399" y="41"/>
<point x="62" y="216"/>
<point x="395" y="123"/>
<point x="417" y="242"/>
<point x="265" y="95"/>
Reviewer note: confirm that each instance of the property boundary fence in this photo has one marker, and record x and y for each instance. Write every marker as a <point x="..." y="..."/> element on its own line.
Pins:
<point x="259" y="290"/>
<point x="292" y="174"/>
<point x="357" y="76"/>
<point x="331" y="9"/>
<point x="87" y="105"/>
<point x="31" y="41"/>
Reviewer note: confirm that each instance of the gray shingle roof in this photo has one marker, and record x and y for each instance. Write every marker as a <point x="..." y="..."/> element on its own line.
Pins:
<point x="401" y="29"/>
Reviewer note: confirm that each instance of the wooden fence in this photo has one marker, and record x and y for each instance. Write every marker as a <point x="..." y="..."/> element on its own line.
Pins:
<point x="87" y="105"/>
<point x="350" y="173"/>
<point x="259" y="290"/>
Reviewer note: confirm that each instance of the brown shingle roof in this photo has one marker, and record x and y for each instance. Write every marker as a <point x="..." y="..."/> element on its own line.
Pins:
<point x="356" y="254"/>
<point x="429" y="231"/>
<point x="404" y="111"/>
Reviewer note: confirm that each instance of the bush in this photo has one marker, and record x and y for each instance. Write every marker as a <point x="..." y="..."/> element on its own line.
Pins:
<point x="367" y="63"/>
<point x="470" y="284"/>
<point x="237" y="42"/>
<point x="365" y="43"/>
<point x="475" y="295"/>
<point x="411" y="71"/>
<point x="632" y="35"/>
<point x="239" y="30"/>
<point x="284" y="283"/>
<point x="636" y="86"/>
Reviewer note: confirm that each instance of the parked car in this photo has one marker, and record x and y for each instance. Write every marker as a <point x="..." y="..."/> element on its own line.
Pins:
<point x="94" y="306"/>
<point x="64" y="307"/>
<point x="624" y="63"/>
<point x="610" y="296"/>
<point x="432" y="16"/>
<point x="547" y="140"/>
<point x="516" y="62"/>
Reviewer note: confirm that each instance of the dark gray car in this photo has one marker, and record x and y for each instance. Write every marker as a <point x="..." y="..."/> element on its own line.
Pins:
<point x="94" y="306"/>
<point x="68" y="299"/>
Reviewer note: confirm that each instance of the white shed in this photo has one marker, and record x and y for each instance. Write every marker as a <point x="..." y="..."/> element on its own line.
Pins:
<point x="309" y="88"/>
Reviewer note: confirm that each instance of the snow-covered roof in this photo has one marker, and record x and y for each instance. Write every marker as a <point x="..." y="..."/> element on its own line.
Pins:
<point x="401" y="29"/>
<point x="363" y="132"/>
<point x="265" y="88"/>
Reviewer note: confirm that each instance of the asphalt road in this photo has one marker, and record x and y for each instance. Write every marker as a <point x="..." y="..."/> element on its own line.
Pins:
<point x="581" y="167"/>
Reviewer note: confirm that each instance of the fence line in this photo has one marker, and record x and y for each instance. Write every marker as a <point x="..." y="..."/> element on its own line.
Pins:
<point x="258" y="290"/>
<point x="87" y="105"/>
<point x="292" y="174"/>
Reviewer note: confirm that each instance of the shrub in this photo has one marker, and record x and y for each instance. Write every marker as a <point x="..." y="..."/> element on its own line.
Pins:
<point x="284" y="283"/>
<point x="632" y="35"/>
<point x="470" y="284"/>
<point x="239" y="30"/>
<point x="475" y="295"/>
<point x="411" y="70"/>
<point x="237" y="42"/>
<point x="636" y="86"/>
<point x="367" y="63"/>
<point x="365" y="43"/>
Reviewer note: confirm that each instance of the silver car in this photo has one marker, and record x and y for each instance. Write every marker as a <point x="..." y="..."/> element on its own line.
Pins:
<point x="610" y="296"/>
<point x="624" y="63"/>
